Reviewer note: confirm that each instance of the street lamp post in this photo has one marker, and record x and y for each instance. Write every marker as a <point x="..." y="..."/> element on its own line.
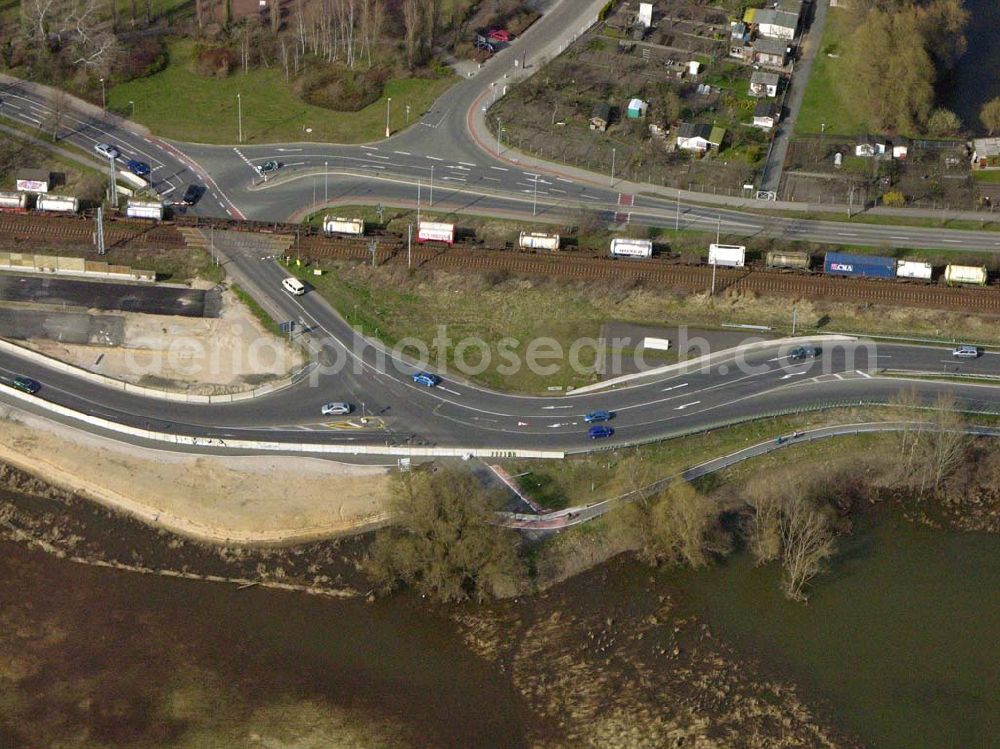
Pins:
<point x="388" y="101"/>
<point x="407" y="114"/>
<point x="239" y="117"/>
<point x="132" y="104"/>
<point x="432" y="186"/>
<point x="534" y="199"/>
<point x="499" y="130"/>
<point x="614" y="152"/>
<point x="326" y="183"/>
<point x="104" y="97"/>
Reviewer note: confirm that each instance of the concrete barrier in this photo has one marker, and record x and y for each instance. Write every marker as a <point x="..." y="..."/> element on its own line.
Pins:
<point x="306" y="448"/>
<point x="111" y="382"/>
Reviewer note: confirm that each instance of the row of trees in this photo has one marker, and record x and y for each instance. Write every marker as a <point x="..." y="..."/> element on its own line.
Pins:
<point x="894" y="58"/>
<point x="447" y="544"/>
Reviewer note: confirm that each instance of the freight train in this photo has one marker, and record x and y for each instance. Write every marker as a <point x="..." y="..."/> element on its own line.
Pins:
<point x="875" y="266"/>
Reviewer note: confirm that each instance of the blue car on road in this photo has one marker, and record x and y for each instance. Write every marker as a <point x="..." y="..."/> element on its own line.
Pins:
<point x="426" y="379"/>
<point x="599" y="432"/>
<point x="595" y="416"/>
<point x="138" y="168"/>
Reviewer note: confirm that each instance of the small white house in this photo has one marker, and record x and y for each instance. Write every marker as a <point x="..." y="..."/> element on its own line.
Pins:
<point x="699" y="137"/>
<point x="763" y="83"/>
<point x="765" y="115"/>
<point x="900" y="148"/>
<point x="693" y="67"/>
<point x="869" y="146"/>
<point x="637" y="109"/>
<point x="777" y="24"/>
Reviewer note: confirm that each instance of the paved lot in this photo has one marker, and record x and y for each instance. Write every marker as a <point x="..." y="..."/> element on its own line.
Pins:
<point x="65" y="327"/>
<point x="152" y="300"/>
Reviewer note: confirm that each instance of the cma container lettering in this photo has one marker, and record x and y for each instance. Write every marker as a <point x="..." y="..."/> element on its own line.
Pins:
<point x="872" y="266"/>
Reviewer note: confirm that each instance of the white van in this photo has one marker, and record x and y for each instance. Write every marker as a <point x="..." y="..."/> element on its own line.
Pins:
<point x="294" y="286"/>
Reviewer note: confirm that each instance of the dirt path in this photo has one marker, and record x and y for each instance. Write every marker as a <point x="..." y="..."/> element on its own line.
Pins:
<point x="253" y="499"/>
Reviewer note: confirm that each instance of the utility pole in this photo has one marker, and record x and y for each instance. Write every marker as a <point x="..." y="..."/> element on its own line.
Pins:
<point x="407" y="114"/>
<point x="239" y="117"/>
<point x="409" y="246"/>
<point x="614" y="152"/>
<point x="373" y="248"/>
<point x="326" y="183"/>
<point x="499" y="130"/>
<point x="794" y="319"/>
<point x="850" y="200"/>
<point x="211" y="244"/>
<point x="714" y="266"/>
<point x="677" y="218"/>
<point x="432" y="185"/>
<point x="388" y="102"/>
<point x="418" y="202"/>
<point x="112" y="188"/>
<point x="99" y="235"/>
<point x="104" y="97"/>
<point x="534" y="199"/>
<point x="718" y="230"/>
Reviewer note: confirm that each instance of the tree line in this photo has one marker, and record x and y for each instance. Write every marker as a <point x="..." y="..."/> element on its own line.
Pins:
<point x="894" y="58"/>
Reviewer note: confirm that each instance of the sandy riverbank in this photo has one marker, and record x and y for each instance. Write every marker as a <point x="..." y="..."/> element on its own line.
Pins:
<point x="221" y="499"/>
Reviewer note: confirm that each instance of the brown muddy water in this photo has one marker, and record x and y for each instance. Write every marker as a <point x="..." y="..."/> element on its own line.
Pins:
<point x="104" y="658"/>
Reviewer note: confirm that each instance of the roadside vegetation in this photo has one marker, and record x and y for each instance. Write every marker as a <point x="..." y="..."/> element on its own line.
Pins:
<point x="69" y="177"/>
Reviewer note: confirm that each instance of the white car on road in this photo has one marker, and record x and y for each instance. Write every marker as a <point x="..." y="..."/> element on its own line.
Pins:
<point x="107" y="151"/>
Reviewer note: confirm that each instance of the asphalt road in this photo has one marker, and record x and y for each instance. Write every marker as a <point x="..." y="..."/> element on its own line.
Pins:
<point x="449" y="152"/>
<point x="122" y="297"/>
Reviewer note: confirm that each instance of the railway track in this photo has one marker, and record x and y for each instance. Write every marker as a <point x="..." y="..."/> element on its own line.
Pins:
<point x="581" y="265"/>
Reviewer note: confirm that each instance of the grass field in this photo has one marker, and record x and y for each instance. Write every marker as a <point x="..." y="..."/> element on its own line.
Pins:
<point x="823" y="102"/>
<point x="178" y="103"/>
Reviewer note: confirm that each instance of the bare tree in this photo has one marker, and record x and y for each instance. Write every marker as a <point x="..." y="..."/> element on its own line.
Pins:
<point x="411" y="24"/>
<point x="59" y="104"/>
<point x="806" y="544"/>
<point x="946" y="441"/>
<point x="763" y="527"/>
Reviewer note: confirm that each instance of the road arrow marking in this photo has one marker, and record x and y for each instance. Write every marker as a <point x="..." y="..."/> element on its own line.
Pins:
<point x="687" y="405"/>
<point x="674" y="387"/>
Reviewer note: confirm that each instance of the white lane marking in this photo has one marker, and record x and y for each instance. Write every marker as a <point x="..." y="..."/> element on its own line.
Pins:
<point x="434" y="158"/>
<point x="567" y="181"/>
<point x="466" y="163"/>
<point x="289" y="150"/>
<point x="893" y="236"/>
<point x="378" y="156"/>
<point x="492" y="179"/>
<point x="453" y="179"/>
<point x="674" y="387"/>
<point x="557" y="190"/>
<point x="531" y="174"/>
<point x="369" y="148"/>
<point x="791" y="374"/>
<point x="500" y="168"/>
<point x="447" y="390"/>
<point x="553" y="408"/>
<point x="403" y="153"/>
<point x="951" y="241"/>
<point x="863" y="374"/>
<point x="561" y="424"/>
<point x="838" y="376"/>
<point x="846" y="234"/>
<point x="687" y="405"/>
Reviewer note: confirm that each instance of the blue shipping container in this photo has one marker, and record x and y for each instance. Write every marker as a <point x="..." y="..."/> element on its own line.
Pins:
<point x="837" y="263"/>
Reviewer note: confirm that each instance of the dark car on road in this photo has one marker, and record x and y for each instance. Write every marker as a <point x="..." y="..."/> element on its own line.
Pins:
<point x="192" y="195"/>
<point x="138" y="168"/>
<point x="801" y="353"/>
<point x="600" y="431"/>
<point x="26" y="385"/>
<point x="595" y="416"/>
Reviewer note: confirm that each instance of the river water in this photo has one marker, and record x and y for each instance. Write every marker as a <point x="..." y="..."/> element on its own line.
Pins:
<point x="897" y="646"/>
<point x="900" y="640"/>
<point x="975" y="80"/>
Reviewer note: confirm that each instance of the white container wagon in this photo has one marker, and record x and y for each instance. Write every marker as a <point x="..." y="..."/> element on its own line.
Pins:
<point x="731" y="255"/>
<point x="338" y="225"/>
<point x="57" y="203"/>
<point x="974" y="275"/>
<point x="429" y="231"/>
<point x="631" y="248"/>
<point x="536" y="241"/>
<point x="13" y="201"/>
<point x="144" y="209"/>
<point x="914" y="269"/>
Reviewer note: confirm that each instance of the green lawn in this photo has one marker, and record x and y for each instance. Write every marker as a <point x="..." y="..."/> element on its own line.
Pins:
<point x="823" y="101"/>
<point x="180" y="104"/>
<point x="986" y="175"/>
